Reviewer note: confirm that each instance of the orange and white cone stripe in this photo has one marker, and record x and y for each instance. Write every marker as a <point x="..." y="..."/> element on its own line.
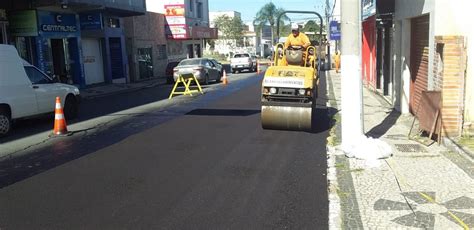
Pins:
<point x="224" y="79"/>
<point x="60" y="127"/>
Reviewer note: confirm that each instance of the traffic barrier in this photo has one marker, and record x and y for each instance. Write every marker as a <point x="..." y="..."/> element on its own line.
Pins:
<point x="224" y="78"/>
<point x="60" y="127"/>
<point x="186" y="79"/>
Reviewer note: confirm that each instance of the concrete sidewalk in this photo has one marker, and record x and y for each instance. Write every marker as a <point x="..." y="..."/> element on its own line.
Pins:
<point x="418" y="187"/>
<point x="111" y="89"/>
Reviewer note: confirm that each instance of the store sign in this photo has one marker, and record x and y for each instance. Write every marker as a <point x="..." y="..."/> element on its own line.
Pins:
<point x="176" y="31"/>
<point x="175" y="10"/>
<point x="91" y="21"/>
<point x="24" y="23"/>
<point x="368" y="8"/>
<point x="50" y="22"/>
<point x="203" y="32"/>
<point x="335" y="30"/>
<point x="176" y="21"/>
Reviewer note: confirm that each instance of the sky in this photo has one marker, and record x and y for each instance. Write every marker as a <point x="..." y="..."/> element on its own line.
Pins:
<point x="249" y="8"/>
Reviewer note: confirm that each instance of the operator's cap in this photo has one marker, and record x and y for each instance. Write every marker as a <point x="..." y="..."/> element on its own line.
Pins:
<point x="294" y="26"/>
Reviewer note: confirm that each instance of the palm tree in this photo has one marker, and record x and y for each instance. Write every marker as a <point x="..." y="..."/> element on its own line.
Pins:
<point x="269" y="14"/>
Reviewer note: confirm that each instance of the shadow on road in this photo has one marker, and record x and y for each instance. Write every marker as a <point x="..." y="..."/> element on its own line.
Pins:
<point x="90" y="109"/>
<point x="223" y="112"/>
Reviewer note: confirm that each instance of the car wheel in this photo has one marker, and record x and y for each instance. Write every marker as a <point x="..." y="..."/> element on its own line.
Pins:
<point x="5" y="122"/>
<point x="219" y="76"/>
<point x="71" y="108"/>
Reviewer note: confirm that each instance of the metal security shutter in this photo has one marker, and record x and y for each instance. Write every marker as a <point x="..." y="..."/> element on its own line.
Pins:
<point x="419" y="59"/>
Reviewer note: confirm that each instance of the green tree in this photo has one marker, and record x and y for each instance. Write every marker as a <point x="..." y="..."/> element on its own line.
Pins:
<point x="268" y="14"/>
<point x="230" y="28"/>
<point x="312" y="26"/>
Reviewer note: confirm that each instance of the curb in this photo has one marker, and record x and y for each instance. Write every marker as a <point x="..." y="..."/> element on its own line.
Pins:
<point x="455" y="147"/>
<point x="121" y="91"/>
<point x="334" y="212"/>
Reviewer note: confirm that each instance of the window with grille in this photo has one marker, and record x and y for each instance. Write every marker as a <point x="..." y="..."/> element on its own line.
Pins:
<point x="162" y="52"/>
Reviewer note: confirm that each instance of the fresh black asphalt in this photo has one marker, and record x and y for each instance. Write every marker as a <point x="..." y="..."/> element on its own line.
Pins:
<point x="212" y="167"/>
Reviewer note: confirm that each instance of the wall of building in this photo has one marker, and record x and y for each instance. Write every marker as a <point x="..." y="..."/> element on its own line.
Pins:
<point x="447" y="20"/>
<point x="144" y="32"/>
<point x="405" y="10"/>
<point x="452" y="20"/>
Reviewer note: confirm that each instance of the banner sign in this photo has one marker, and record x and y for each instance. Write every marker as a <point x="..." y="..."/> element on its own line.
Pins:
<point x="335" y="30"/>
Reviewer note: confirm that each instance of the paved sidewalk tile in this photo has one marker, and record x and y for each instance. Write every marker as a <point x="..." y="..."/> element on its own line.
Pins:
<point x="418" y="187"/>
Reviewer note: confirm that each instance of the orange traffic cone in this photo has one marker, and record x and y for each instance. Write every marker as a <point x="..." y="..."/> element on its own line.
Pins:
<point x="60" y="127"/>
<point x="224" y="78"/>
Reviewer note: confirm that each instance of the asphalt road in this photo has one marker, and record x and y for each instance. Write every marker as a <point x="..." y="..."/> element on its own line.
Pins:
<point x="200" y="164"/>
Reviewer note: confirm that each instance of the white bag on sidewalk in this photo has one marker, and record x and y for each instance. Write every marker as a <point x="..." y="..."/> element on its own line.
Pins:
<point x="369" y="149"/>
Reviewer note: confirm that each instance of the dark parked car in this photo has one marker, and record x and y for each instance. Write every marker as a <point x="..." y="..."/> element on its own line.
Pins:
<point x="169" y="71"/>
<point x="205" y="69"/>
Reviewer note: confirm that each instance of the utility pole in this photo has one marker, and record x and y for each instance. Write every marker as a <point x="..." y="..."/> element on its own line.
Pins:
<point x="328" y="48"/>
<point x="352" y="123"/>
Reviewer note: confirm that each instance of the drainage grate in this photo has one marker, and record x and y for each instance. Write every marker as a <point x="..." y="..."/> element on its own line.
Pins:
<point x="410" y="148"/>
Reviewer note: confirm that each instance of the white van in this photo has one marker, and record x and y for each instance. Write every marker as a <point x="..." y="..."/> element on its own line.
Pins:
<point x="25" y="91"/>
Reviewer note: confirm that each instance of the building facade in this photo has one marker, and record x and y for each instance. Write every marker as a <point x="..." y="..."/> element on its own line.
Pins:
<point x="376" y="46"/>
<point x="431" y="46"/>
<point x="186" y="26"/>
<point x="79" y="41"/>
<point x="146" y="46"/>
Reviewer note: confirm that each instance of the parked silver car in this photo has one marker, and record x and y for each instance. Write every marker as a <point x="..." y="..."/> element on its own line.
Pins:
<point x="205" y="69"/>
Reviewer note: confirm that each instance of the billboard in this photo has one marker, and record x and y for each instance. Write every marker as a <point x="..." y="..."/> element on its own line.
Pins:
<point x="176" y="21"/>
<point x="175" y="10"/>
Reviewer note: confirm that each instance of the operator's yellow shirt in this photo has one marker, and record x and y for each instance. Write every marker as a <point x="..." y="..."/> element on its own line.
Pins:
<point x="300" y="40"/>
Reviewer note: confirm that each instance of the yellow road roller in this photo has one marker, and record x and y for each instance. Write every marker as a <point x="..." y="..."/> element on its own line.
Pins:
<point x="290" y="85"/>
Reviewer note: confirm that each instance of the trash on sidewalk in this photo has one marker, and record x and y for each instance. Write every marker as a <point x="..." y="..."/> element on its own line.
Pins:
<point x="369" y="149"/>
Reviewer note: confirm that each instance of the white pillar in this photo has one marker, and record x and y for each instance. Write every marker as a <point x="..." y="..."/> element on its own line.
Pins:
<point x="352" y="123"/>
